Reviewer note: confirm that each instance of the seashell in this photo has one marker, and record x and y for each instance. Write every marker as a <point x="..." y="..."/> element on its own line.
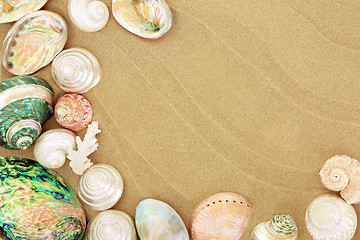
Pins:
<point x="37" y="203"/>
<point x="146" y="18"/>
<point x="101" y="187"/>
<point x="88" y="15"/>
<point x="25" y="105"/>
<point x="111" y="225"/>
<point x="280" y="227"/>
<point x="221" y="216"/>
<point x="156" y="220"/>
<point x="74" y="112"/>
<point x="11" y="11"/>
<point x="33" y="42"/>
<point x="342" y="173"/>
<point x="330" y="217"/>
<point x="76" y="70"/>
<point x="51" y="148"/>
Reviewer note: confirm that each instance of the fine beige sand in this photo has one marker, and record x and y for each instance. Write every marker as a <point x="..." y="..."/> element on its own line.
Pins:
<point x="244" y="96"/>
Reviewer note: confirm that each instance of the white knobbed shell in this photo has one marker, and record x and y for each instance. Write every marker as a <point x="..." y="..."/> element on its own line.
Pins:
<point x="51" y="148"/>
<point x="100" y="187"/>
<point x="111" y="225"/>
<point x="88" y="15"/>
<point x="76" y="70"/>
<point x="330" y="217"/>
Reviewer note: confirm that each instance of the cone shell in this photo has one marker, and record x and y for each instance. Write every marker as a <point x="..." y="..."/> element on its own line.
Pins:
<point x="330" y="217"/>
<point x="13" y="10"/>
<point x="74" y="112"/>
<point x="146" y="18"/>
<point x="342" y="173"/>
<point x="156" y="220"/>
<point x="88" y="15"/>
<point x="76" y="70"/>
<point x="33" y="42"/>
<point x="281" y="227"/>
<point x="37" y="203"/>
<point x="25" y="105"/>
<point x="51" y="148"/>
<point x="221" y="216"/>
<point x="111" y="225"/>
<point x="100" y="187"/>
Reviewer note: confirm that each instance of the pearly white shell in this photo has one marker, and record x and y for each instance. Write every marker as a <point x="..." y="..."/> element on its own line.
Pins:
<point x="330" y="217"/>
<point x="156" y="220"/>
<point x="342" y="173"/>
<point x="100" y="187"/>
<point x="76" y="70"/>
<point x="280" y="227"/>
<point x="51" y="148"/>
<point x="88" y="15"/>
<point x="111" y="225"/>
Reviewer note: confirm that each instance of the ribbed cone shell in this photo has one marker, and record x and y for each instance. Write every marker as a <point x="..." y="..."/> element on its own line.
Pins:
<point x="221" y="216"/>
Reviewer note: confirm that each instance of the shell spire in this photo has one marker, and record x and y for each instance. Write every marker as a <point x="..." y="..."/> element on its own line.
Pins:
<point x="25" y="105"/>
<point x="342" y="173"/>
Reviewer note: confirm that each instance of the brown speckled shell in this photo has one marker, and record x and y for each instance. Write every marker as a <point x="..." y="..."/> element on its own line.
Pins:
<point x="221" y="216"/>
<point x="74" y="112"/>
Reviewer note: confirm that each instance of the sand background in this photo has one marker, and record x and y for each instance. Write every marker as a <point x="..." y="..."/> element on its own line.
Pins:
<point x="243" y="96"/>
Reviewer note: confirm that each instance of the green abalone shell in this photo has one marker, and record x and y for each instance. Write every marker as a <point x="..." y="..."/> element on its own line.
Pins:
<point x="37" y="203"/>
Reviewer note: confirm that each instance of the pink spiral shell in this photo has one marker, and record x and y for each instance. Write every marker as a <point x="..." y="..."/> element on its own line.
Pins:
<point x="74" y="112"/>
<point x="221" y="216"/>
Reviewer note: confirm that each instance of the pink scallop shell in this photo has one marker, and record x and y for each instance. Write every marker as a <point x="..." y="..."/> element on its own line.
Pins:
<point x="221" y="216"/>
<point x="74" y="112"/>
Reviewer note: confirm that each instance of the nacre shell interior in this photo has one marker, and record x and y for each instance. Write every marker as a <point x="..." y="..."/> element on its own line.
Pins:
<point x="12" y="10"/>
<point x="145" y="18"/>
<point x="33" y="42"/>
<point x="37" y="203"/>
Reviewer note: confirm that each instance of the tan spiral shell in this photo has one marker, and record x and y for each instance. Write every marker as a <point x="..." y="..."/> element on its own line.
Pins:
<point x="111" y="225"/>
<point x="76" y="70"/>
<point x="342" y="173"/>
<point x="88" y="15"/>
<point x="100" y="187"/>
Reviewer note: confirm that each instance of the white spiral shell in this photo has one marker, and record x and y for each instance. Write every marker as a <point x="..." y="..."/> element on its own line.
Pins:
<point x="76" y="70"/>
<point x="111" y="225"/>
<point x="330" y="217"/>
<point x="88" y="15"/>
<point x="51" y="148"/>
<point x="100" y="187"/>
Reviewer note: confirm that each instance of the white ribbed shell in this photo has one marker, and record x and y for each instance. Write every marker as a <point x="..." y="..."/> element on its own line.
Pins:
<point x="100" y="187"/>
<point x="51" y="148"/>
<point x="88" y="15"/>
<point x="76" y="70"/>
<point x="111" y="225"/>
<point x="330" y="217"/>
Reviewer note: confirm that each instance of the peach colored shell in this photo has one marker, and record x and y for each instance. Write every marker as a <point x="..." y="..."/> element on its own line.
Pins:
<point x="342" y="173"/>
<point x="74" y="112"/>
<point x="221" y="216"/>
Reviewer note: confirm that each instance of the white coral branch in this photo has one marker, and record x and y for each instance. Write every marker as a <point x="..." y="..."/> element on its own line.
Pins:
<point x="79" y="160"/>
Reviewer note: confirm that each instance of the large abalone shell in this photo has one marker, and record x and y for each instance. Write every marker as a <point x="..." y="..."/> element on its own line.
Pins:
<point x="33" y="42"/>
<point x="36" y="203"/>
<point x="12" y="10"/>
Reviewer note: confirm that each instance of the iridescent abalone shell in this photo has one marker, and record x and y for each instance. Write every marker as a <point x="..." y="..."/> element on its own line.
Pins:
<point x="12" y="10"/>
<point x="33" y="42"/>
<point x="146" y="18"/>
<point x="25" y="105"/>
<point x="37" y="203"/>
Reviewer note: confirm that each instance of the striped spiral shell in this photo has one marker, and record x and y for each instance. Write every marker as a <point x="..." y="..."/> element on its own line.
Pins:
<point x="25" y="105"/>
<point x="76" y="70"/>
<point x="88" y="15"/>
<point x="111" y="225"/>
<point x="51" y="148"/>
<point x="280" y="227"/>
<point x="100" y="187"/>
<point x="74" y="112"/>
